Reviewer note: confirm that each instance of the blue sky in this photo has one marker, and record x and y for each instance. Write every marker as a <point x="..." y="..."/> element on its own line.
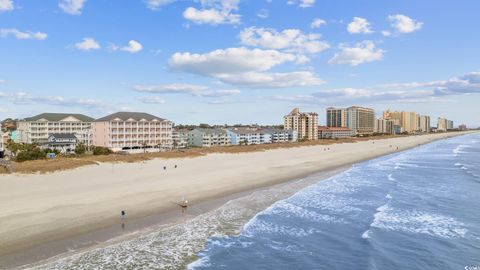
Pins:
<point x="239" y="61"/>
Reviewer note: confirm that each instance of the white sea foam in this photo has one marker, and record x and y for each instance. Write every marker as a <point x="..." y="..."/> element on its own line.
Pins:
<point x="391" y="178"/>
<point x="262" y="227"/>
<point x="458" y="150"/>
<point x="390" y="219"/>
<point x="366" y="234"/>
<point x="458" y="164"/>
<point x="388" y="196"/>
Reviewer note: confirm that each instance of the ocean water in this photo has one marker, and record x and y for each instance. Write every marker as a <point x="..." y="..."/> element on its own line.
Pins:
<point x="418" y="209"/>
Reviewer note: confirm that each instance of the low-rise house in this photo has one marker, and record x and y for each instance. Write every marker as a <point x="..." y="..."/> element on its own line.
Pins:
<point x="65" y="143"/>
<point x="1" y="141"/>
<point x="132" y="131"/>
<point x="334" y="132"/>
<point x="207" y="137"/>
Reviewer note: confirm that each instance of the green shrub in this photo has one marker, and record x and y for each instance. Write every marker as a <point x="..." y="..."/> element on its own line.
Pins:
<point x="31" y="154"/>
<point x="80" y="149"/>
<point x="98" y="150"/>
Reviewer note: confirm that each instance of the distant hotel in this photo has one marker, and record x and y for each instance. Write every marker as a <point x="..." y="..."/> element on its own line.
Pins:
<point x="444" y="124"/>
<point x="37" y="129"/>
<point x="208" y="137"/>
<point x="409" y="122"/>
<point x="304" y="124"/>
<point x="132" y="130"/>
<point x="359" y="119"/>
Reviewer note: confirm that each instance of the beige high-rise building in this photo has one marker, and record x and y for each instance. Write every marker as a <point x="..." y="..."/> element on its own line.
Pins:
<point x="383" y="126"/>
<point x="305" y="124"/>
<point x="407" y="120"/>
<point x="444" y="124"/>
<point x="359" y="119"/>
<point x="424" y="123"/>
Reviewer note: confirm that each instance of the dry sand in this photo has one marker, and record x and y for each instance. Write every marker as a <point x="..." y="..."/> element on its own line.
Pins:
<point x="35" y="209"/>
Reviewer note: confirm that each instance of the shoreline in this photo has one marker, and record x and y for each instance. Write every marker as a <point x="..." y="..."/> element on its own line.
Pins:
<point x="266" y="173"/>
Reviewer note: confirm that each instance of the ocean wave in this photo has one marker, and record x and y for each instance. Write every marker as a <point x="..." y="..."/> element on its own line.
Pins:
<point x="262" y="227"/>
<point x="390" y="177"/>
<point x="366" y="234"/>
<point x="458" y="150"/>
<point x="412" y="221"/>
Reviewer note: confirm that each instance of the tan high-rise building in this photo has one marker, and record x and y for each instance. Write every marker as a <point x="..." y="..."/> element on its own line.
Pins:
<point x="407" y="120"/>
<point x="424" y="123"/>
<point x="444" y="124"/>
<point x="305" y="124"/>
<point x="359" y="119"/>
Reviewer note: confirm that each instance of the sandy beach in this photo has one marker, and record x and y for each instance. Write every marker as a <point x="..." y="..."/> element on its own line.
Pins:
<point x="35" y="209"/>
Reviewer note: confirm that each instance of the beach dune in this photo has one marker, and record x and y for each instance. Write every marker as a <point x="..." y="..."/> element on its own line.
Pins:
<point x="35" y="209"/>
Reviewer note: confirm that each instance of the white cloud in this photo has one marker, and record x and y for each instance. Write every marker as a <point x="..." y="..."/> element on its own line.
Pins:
<point x="302" y="3"/>
<point x="386" y="33"/>
<point x="156" y="4"/>
<point x="152" y="100"/>
<point x="72" y="7"/>
<point x="22" y="35"/>
<point x="272" y="80"/>
<point x="263" y="13"/>
<point x="182" y="88"/>
<point x="292" y="40"/>
<point x="229" y="61"/>
<point x="307" y="3"/>
<point x="210" y="16"/>
<point x="2" y="81"/>
<point x="133" y="47"/>
<point x="362" y="52"/>
<point x="87" y="44"/>
<point x="244" y="67"/>
<point x="6" y="5"/>
<point x="317" y="22"/>
<point x="214" y="12"/>
<point x="415" y="92"/>
<point x="404" y="24"/>
<point x="359" y="26"/>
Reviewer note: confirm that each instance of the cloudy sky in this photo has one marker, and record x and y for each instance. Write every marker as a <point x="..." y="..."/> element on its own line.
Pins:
<point x="239" y="61"/>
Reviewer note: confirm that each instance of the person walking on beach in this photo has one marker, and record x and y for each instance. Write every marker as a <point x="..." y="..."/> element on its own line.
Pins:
<point x="123" y="215"/>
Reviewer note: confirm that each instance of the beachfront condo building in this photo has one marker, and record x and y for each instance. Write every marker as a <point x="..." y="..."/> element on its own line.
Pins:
<point x="280" y="135"/>
<point x="334" y="132"/>
<point x="132" y="130"/>
<point x="384" y="126"/>
<point x="305" y="124"/>
<point x="38" y="128"/>
<point x="1" y="141"/>
<point x="462" y="127"/>
<point x="409" y="121"/>
<point x="444" y="124"/>
<point x="180" y="138"/>
<point x="424" y="123"/>
<point x="248" y="136"/>
<point x="208" y="137"/>
<point x="359" y="119"/>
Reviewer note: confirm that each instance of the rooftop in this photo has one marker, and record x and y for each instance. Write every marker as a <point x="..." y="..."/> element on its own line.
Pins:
<point x="124" y="116"/>
<point x="56" y="117"/>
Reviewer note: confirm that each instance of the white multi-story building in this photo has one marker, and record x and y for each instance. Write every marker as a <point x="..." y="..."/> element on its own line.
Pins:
<point x="424" y="123"/>
<point x="207" y="137"/>
<point x="132" y="130"/>
<point x="180" y="138"/>
<point x="247" y="136"/>
<point x="279" y="135"/>
<point x="38" y="128"/>
<point x="384" y="126"/>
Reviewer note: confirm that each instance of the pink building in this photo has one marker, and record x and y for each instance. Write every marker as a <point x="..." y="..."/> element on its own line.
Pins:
<point x="132" y="130"/>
